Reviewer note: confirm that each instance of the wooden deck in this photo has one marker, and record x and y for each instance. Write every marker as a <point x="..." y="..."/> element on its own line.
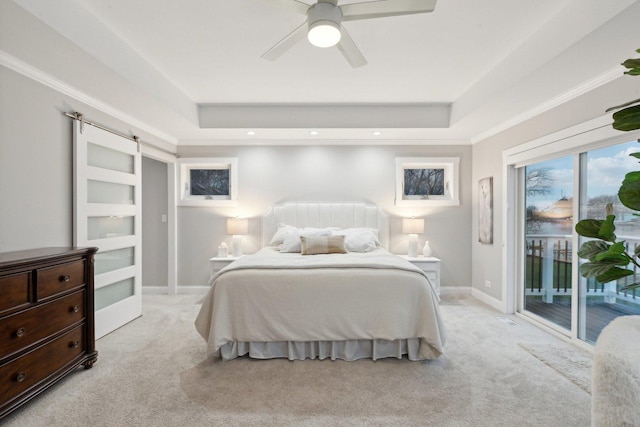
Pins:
<point x="599" y="313"/>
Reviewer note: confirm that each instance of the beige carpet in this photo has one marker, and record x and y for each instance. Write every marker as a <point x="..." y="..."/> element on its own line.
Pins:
<point x="154" y="372"/>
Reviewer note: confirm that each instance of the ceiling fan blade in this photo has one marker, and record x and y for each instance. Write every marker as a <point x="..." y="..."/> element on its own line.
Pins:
<point x="286" y="43"/>
<point x="296" y="5"/>
<point x="349" y="49"/>
<point x="383" y="8"/>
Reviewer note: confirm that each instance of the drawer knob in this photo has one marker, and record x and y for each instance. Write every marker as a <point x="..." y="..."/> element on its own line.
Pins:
<point x="75" y="309"/>
<point x="20" y="332"/>
<point x="21" y="377"/>
<point x="65" y="278"/>
<point x="74" y="344"/>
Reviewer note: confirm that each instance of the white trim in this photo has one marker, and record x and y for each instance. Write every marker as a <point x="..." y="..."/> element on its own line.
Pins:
<point x="583" y="137"/>
<point x="278" y="139"/>
<point x="188" y="290"/>
<point x="509" y="227"/>
<point x="593" y="134"/>
<point x="46" y="79"/>
<point x="155" y="290"/>
<point x="184" y="181"/>
<point x="111" y="277"/>
<point x="455" y="290"/>
<point x="451" y="167"/>
<point x="172" y="222"/>
<point x="157" y="154"/>
<point x="600" y="80"/>
<point x="488" y="299"/>
<point x="116" y="315"/>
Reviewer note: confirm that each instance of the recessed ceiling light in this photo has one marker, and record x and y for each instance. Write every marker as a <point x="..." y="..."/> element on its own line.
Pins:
<point x="376" y="132"/>
<point x="251" y="133"/>
<point x="313" y="132"/>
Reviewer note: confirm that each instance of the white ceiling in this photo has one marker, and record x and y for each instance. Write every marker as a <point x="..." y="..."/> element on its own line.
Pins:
<point x="485" y="65"/>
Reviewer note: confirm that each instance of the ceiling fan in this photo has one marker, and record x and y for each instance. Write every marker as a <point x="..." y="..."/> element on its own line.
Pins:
<point x="324" y="28"/>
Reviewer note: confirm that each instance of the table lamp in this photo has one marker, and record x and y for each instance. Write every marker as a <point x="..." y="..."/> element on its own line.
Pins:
<point x="237" y="227"/>
<point x="413" y="227"/>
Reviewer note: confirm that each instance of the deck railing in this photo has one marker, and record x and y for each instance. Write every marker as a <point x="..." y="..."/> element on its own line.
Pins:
<point x="548" y="271"/>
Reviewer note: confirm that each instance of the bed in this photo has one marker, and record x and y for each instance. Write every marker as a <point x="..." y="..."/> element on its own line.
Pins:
<point x="349" y="306"/>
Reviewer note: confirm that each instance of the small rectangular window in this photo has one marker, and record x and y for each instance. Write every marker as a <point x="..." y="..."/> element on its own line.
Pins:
<point x="427" y="181"/>
<point x="205" y="182"/>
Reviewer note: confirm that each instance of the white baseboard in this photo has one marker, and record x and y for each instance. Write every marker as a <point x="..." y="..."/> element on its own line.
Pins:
<point x="155" y="290"/>
<point x="182" y="290"/>
<point x="455" y="290"/>
<point x="488" y="299"/>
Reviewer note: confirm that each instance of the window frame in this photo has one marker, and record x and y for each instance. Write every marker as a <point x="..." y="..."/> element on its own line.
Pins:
<point x="186" y="165"/>
<point x="451" y="167"/>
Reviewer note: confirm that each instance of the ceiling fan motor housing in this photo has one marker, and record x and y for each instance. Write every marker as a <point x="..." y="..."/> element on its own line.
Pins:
<point x="324" y="15"/>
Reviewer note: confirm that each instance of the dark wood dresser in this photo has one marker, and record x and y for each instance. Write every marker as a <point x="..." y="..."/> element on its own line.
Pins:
<point x="46" y="320"/>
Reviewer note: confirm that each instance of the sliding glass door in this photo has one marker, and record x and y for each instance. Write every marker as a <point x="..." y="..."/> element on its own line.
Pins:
<point x="605" y="169"/>
<point x="548" y="192"/>
<point x="549" y="206"/>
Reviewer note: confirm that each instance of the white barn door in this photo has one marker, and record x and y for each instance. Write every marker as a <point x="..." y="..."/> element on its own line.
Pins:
<point x="107" y="214"/>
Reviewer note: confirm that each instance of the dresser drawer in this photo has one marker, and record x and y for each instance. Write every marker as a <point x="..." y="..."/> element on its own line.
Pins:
<point x="60" y="278"/>
<point x="24" y="372"/>
<point x="30" y="326"/>
<point x="14" y="291"/>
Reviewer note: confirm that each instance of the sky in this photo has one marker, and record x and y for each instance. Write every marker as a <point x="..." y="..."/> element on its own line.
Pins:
<point x="606" y="168"/>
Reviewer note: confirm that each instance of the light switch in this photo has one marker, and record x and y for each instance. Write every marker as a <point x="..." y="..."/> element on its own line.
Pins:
<point x="164" y="218"/>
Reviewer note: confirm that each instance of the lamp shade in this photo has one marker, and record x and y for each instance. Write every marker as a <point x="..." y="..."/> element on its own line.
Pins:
<point x="413" y="225"/>
<point x="236" y="226"/>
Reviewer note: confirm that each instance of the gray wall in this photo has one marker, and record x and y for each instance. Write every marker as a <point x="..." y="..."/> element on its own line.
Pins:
<point x="268" y="175"/>
<point x="487" y="161"/>
<point x="155" y="233"/>
<point x="36" y="175"/>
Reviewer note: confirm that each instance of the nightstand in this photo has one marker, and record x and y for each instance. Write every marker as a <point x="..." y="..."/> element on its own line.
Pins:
<point x="430" y="265"/>
<point x="218" y="263"/>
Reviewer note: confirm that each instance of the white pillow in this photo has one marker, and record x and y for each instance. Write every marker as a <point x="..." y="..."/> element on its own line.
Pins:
<point x="359" y="239"/>
<point x="281" y="231"/>
<point x="291" y="241"/>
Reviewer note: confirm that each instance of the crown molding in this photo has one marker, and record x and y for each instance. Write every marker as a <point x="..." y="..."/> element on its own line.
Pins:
<point x="600" y="80"/>
<point x="45" y="79"/>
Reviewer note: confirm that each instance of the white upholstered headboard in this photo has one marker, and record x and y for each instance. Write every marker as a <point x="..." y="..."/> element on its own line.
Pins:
<point x="326" y="214"/>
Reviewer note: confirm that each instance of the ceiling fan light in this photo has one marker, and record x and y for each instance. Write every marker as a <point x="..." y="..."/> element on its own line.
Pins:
<point x="324" y="34"/>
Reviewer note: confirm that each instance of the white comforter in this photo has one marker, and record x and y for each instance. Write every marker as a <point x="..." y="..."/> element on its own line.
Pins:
<point x="271" y="296"/>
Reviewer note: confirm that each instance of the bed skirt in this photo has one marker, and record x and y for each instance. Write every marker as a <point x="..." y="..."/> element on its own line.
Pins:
<point x="344" y="350"/>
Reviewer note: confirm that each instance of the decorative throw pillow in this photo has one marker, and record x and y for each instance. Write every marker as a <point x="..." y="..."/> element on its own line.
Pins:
<point x="291" y="241"/>
<point x="281" y="231"/>
<point x="311" y="245"/>
<point x="359" y="239"/>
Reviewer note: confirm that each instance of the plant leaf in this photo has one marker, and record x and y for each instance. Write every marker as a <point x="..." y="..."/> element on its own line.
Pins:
<point x="607" y="229"/>
<point x="632" y="176"/>
<point x="589" y="228"/>
<point x="631" y="63"/>
<point x="590" y="249"/>
<point x="613" y="255"/>
<point x="626" y="104"/>
<point x="629" y="194"/>
<point x="627" y="119"/>
<point x="630" y="287"/>
<point x="612" y="274"/>
<point x="593" y="269"/>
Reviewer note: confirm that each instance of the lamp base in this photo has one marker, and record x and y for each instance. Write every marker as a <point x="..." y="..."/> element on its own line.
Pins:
<point x="236" y="244"/>
<point x="413" y="245"/>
